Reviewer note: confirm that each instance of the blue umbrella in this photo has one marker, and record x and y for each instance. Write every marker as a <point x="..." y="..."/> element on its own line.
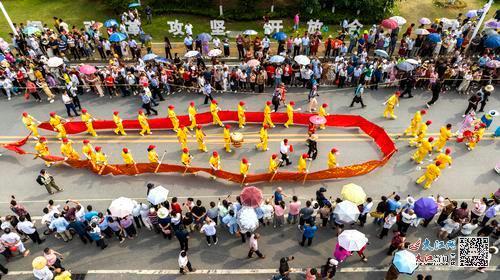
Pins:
<point x="434" y="37"/>
<point x="204" y="37"/>
<point x="276" y="59"/>
<point x="381" y="53"/>
<point x="111" y="22"/>
<point x="405" y="66"/>
<point x="161" y="59"/>
<point x="149" y="56"/>
<point x="425" y="207"/>
<point x="405" y="262"/>
<point x="2" y="57"/>
<point x="133" y="5"/>
<point x="31" y="30"/>
<point x="117" y="37"/>
<point x="280" y="36"/>
<point x="492" y="41"/>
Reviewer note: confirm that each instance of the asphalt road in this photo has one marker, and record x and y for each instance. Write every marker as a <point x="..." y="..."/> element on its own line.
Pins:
<point x="472" y="175"/>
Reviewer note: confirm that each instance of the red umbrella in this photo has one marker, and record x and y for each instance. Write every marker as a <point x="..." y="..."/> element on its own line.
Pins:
<point x="389" y="23"/>
<point x="251" y="196"/>
<point x="317" y="119"/>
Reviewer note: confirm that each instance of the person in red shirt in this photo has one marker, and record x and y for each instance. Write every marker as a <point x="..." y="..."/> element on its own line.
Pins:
<point x="109" y="81"/>
<point x="409" y="29"/>
<point x="175" y="207"/>
<point x="270" y="69"/>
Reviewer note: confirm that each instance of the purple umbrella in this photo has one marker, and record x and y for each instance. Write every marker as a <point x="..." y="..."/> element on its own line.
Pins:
<point x="492" y="24"/>
<point x="471" y="14"/>
<point x="425" y="207"/>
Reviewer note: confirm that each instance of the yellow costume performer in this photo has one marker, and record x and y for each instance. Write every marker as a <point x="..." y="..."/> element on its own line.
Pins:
<point x="273" y="163"/>
<point x="241" y="115"/>
<point x="421" y="133"/>
<point x="31" y="124"/>
<point x="152" y="155"/>
<point x="227" y="138"/>
<point x="100" y="156"/>
<point x="267" y="115"/>
<point x="477" y="136"/>
<point x="444" y="135"/>
<point x="332" y="159"/>
<point x="444" y="158"/>
<point x="186" y="157"/>
<point x="119" y="124"/>
<point x="214" y="162"/>
<point x="263" y="139"/>
<point x="322" y="112"/>
<point x="423" y="150"/>
<point x="127" y="156"/>
<point x="200" y="136"/>
<point x="182" y="134"/>
<point x="302" y="164"/>
<point x="88" y="119"/>
<point x="68" y="151"/>
<point x="143" y="121"/>
<point x="214" y="110"/>
<point x="390" y="103"/>
<point x="173" y="118"/>
<point x="415" y="123"/>
<point x="57" y="123"/>
<point x="192" y="115"/>
<point x="88" y="151"/>
<point x="289" y="113"/>
<point x="431" y="174"/>
<point x="244" y="166"/>
<point x="42" y="149"/>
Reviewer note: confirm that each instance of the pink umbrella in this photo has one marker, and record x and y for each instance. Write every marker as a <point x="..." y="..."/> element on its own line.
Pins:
<point x="251" y="196"/>
<point x="317" y="119"/>
<point x="253" y="63"/>
<point x="87" y="69"/>
<point x="424" y="20"/>
<point x="389" y="23"/>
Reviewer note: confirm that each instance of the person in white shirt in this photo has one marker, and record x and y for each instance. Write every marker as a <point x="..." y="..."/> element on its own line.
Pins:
<point x="184" y="263"/>
<point x="296" y="46"/>
<point x="254" y="246"/>
<point x="285" y="148"/>
<point x="389" y="221"/>
<point x="43" y="274"/>
<point x="12" y="239"/>
<point x="189" y="29"/>
<point x="408" y="217"/>
<point x="210" y="231"/>
<point x="216" y="42"/>
<point x="267" y="210"/>
<point x="449" y="227"/>
<point x="267" y="29"/>
<point x="468" y="228"/>
<point x="29" y="229"/>
<point x="367" y="207"/>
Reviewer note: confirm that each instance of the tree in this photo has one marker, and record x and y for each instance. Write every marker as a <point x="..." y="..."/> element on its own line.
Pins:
<point x="311" y="7"/>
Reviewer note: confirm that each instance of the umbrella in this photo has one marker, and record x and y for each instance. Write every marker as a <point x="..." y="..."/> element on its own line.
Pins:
<point x="405" y="66"/>
<point x="214" y="52"/>
<point x="87" y="69"/>
<point x="110" y="23"/>
<point x="381" y="53"/>
<point x="405" y="262"/>
<point x="191" y="54"/>
<point x="39" y="262"/>
<point x="352" y="240"/>
<point x="424" y="20"/>
<point x="251" y="197"/>
<point x="490" y="31"/>
<point x="422" y="31"/>
<point x="302" y="59"/>
<point x="276" y="59"/>
<point x="117" y="37"/>
<point x="346" y="212"/>
<point x="157" y="195"/>
<point x="133" y="5"/>
<point x="30" y="30"/>
<point x="353" y="193"/>
<point x="55" y="61"/>
<point x="247" y="219"/>
<point x="412" y="61"/>
<point x="161" y="59"/>
<point x="2" y="57"/>
<point x="434" y="37"/>
<point x="389" y="23"/>
<point x="149" y="56"/>
<point x="280" y="36"/>
<point x="121" y="207"/>
<point x="250" y="32"/>
<point x="399" y="20"/>
<point x="316" y="119"/>
<point x="492" y="41"/>
<point x="425" y="207"/>
<point x="97" y="25"/>
<point x="471" y="14"/>
<point x="492" y="24"/>
<point x="253" y="63"/>
<point x="204" y="37"/>
<point x="490" y="64"/>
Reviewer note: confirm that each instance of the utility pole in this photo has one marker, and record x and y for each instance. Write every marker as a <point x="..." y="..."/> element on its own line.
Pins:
<point x="7" y="17"/>
<point x="478" y="25"/>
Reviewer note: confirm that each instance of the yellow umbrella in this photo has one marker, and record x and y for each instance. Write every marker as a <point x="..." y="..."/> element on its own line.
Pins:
<point x="39" y="262"/>
<point x="353" y="193"/>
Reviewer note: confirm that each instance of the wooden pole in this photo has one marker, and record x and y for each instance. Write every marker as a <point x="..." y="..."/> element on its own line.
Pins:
<point x="307" y="172"/>
<point x="161" y="160"/>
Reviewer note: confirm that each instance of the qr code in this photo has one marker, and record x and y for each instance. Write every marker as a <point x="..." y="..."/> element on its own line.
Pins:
<point x="473" y="251"/>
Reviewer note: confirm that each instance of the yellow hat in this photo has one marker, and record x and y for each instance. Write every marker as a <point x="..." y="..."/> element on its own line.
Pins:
<point x="39" y="262"/>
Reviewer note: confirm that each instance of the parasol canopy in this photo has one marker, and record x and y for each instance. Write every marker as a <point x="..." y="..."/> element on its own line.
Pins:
<point x="251" y="197"/>
<point x="389" y="24"/>
<point x="302" y="60"/>
<point x="117" y="37"/>
<point x="111" y="22"/>
<point x="55" y="61"/>
<point x="121" y="207"/>
<point x="214" y="52"/>
<point x="353" y="193"/>
<point x="346" y="212"/>
<point x="250" y="32"/>
<point x="381" y="53"/>
<point x="87" y="69"/>
<point x="405" y="262"/>
<point x="424" y="20"/>
<point x="352" y="240"/>
<point x="157" y="195"/>
<point x="253" y="63"/>
<point x="425" y="207"/>
<point x="276" y="59"/>
<point x="191" y="54"/>
<point x="317" y="120"/>
<point x="400" y="20"/>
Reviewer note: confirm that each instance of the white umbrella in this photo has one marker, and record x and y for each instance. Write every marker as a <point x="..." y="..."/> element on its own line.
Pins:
<point x="399" y="20"/>
<point x="214" y="52"/>
<point x="412" y="61"/>
<point x="346" y="212"/>
<point x="302" y="59"/>
<point x="191" y="53"/>
<point x="381" y="53"/>
<point x="122" y="207"/>
<point x="250" y="32"/>
<point x="157" y="195"/>
<point x="422" y="31"/>
<point x="253" y="63"/>
<point x="424" y="20"/>
<point x="55" y="61"/>
<point x="276" y="59"/>
<point x="352" y="240"/>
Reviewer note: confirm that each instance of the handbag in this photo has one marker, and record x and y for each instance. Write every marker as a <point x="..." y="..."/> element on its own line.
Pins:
<point x="376" y="214"/>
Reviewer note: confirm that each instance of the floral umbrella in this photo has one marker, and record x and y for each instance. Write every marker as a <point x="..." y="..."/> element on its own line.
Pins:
<point x="251" y="196"/>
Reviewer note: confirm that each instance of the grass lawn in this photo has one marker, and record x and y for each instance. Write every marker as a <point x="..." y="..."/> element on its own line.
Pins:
<point x="74" y="12"/>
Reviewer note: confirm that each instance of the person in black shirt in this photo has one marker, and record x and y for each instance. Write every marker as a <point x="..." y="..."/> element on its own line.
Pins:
<point x="436" y="90"/>
<point x="198" y="212"/>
